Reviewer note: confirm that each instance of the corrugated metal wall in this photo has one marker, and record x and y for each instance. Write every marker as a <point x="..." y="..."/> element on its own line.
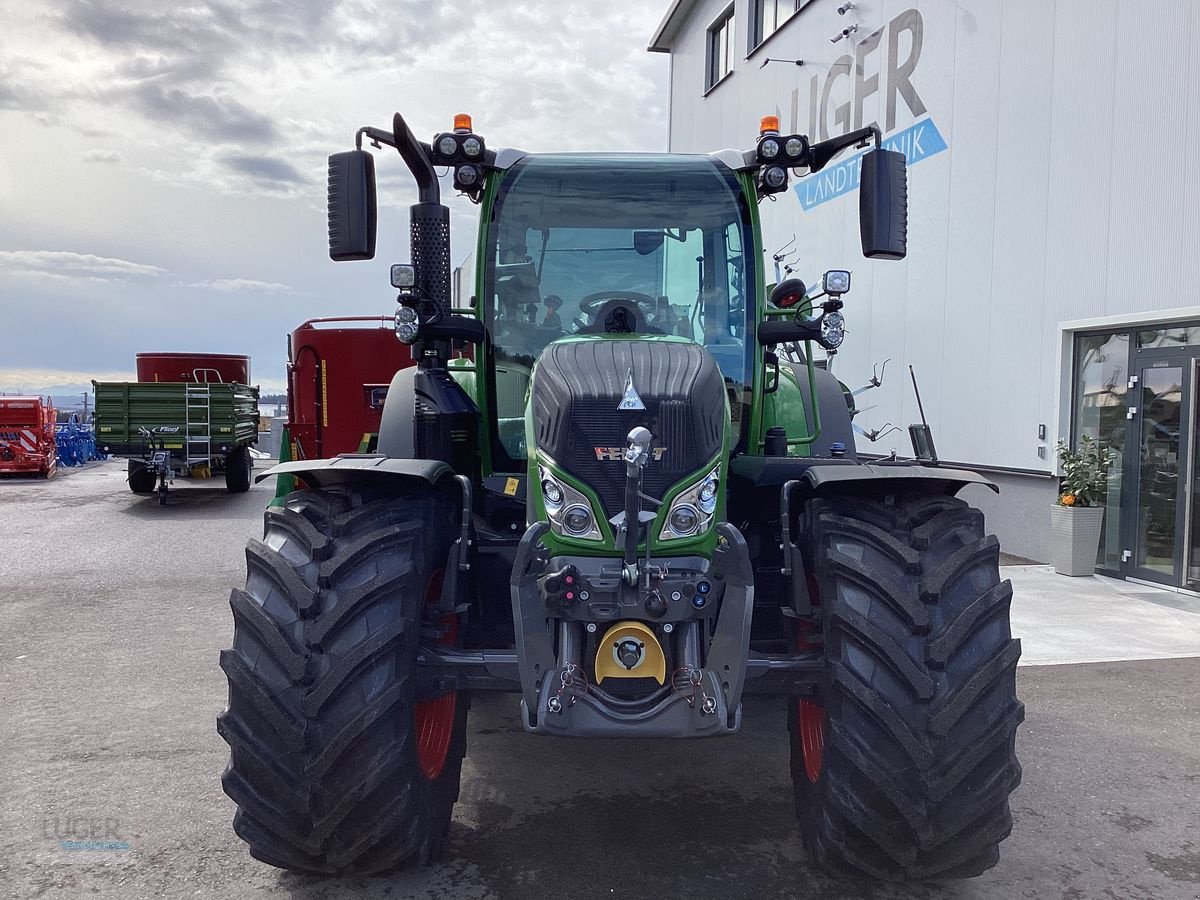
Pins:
<point x="1065" y="192"/>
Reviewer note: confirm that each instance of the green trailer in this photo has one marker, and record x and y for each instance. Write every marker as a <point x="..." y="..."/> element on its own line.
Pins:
<point x="178" y="429"/>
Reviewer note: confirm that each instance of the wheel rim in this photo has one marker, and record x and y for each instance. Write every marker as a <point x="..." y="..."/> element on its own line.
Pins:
<point x="810" y="721"/>
<point x="812" y="737"/>
<point x="434" y="719"/>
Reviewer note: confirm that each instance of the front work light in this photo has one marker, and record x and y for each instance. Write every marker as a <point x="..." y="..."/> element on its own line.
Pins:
<point x="836" y="282"/>
<point x="403" y="276"/>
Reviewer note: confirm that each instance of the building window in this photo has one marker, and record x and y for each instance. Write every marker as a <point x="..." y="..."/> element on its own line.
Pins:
<point x="768" y="15"/>
<point x="720" y="49"/>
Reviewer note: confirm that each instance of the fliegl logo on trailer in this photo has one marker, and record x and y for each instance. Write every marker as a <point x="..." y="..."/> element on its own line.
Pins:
<point x="884" y="63"/>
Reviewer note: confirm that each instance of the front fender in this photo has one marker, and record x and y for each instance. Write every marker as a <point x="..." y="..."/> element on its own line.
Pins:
<point x="349" y="467"/>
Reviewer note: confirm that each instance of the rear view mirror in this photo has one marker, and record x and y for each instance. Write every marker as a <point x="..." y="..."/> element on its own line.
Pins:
<point x="883" y="204"/>
<point x="353" y="210"/>
<point x="646" y="242"/>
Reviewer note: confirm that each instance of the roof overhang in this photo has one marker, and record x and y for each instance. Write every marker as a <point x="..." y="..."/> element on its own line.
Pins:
<point x="664" y="35"/>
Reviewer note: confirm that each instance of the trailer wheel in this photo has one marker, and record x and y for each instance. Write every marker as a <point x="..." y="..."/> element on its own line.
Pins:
<point x="903" y="764"/>
<point x="239" y="470"/>
<point x="142" y="477"/>
<point x="334" y="765"/>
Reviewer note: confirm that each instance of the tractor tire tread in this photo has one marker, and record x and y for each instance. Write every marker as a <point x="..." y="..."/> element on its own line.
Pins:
<point x="920" y="690"/>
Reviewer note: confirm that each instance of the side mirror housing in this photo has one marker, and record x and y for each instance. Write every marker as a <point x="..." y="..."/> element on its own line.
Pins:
<point x="353" y="208"/>
<point x="883" y="204"/>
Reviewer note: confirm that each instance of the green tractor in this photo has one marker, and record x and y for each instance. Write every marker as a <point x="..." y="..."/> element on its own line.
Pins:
<point x="618" y="485"/>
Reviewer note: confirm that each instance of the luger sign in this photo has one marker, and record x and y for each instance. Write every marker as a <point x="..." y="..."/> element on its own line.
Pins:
<point x="886" y="62"/>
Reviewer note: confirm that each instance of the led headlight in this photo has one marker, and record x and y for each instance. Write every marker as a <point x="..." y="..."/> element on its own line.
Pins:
<point x="769" y="149"/>
<point x="683" y="520"/>
<point x="833" y="330"/>
<point x="472" y="147"/>
<point x="795" y="147"/>
<point x="570" y="511"/>
<point x="692" y="511"/>
<point x="706" y="497"/>
<point x="447" y="146"/>
<point x="578" y="520"/>
<point x="774" y="177"/>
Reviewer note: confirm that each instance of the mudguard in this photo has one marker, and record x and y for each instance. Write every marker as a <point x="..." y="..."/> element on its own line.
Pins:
<point x="320" y="473"/>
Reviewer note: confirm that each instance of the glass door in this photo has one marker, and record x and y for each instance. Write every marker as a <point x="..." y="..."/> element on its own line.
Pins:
<point x="1191" y="569"/>
<point x="1161" y="393"/>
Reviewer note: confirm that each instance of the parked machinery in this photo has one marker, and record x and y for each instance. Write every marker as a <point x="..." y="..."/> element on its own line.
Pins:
<point x="27" y="445"/>
<point x="188" y="415"/>
<point x="339" y="370"/>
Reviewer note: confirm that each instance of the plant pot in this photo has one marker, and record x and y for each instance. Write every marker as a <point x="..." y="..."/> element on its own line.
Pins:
<point x="1075" y="538"/>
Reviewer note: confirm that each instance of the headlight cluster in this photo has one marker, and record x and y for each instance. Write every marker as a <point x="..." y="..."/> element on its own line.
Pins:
<point x="571" y="514"/>
<point x="692" y="511"/>
<point x="464" y="151"/>
<point x="408" y="324"/>
<point x="833" y="330"/>
<point x="776" y="154"/>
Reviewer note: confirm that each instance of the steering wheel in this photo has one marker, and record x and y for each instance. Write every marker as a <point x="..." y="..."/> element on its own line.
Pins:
<point x="592" y="303"/>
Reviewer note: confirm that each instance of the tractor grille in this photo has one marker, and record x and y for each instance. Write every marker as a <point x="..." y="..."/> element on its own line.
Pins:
<point x="578" y="385"/>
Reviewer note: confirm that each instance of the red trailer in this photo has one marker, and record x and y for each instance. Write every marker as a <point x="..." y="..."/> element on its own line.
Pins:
<point x="27" y="436"/>
<point x="339" y="370"/>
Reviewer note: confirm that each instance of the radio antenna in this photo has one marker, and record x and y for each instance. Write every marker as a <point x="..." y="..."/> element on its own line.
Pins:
<point x="917" y="391"/>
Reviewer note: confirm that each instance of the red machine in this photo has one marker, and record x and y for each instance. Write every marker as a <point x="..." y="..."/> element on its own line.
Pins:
<point x="197" y="367"/>
<point x="339" y="370"/>
<point x="27" y="436"/>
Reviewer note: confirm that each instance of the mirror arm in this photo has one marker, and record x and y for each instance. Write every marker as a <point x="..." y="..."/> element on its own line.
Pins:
<point x="820" y="154"/>
<point x="377" y="135"/>
<point x="416" y="157"/>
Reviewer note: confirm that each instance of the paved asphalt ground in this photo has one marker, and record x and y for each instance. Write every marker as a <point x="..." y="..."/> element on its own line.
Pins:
<point x="114" y="610"/>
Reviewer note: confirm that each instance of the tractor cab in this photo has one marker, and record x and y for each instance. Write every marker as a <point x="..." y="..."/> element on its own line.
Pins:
<point x="612" y="245"/>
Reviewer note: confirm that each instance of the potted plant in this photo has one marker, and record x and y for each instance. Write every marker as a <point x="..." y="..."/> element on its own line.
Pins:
<point x="1078" y="513"/>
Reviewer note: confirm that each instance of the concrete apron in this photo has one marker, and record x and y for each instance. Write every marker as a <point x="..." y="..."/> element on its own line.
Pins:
<point x="1062" y="620"/>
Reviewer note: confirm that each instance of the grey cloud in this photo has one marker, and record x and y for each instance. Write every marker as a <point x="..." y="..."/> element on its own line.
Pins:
<point x="216" y="118"/>
<point x="159" y="28"/>
<point x="264" y="168"/>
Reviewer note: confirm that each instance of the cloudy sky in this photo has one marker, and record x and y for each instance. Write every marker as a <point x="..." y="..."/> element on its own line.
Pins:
<point x="162" y="163"/>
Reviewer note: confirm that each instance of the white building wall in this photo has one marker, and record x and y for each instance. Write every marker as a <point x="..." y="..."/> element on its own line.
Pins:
<point x="1065" y="192"/>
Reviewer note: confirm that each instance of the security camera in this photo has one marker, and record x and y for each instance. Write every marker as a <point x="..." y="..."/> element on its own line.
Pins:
<point x="844" y="33"/>
<point x="845" y="8"/>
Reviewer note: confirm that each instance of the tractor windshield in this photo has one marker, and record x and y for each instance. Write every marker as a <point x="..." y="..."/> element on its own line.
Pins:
<point x="666" y="238"/>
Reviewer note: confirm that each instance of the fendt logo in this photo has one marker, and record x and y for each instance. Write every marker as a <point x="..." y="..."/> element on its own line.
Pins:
<point x="616" y="454"/>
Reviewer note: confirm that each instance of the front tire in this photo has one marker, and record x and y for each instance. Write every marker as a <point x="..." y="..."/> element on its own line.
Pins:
<point x="334" y="766"/>
<point x="902" y="766"/>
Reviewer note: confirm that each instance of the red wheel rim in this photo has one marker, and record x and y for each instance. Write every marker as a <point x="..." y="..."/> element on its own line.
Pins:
<point x="434" y="719"/>
<point x="810" y="721"/>
<point x="812" y="737"/>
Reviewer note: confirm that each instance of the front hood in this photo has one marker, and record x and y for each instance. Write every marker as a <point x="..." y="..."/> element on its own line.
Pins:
<point x="583" y="409"/>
